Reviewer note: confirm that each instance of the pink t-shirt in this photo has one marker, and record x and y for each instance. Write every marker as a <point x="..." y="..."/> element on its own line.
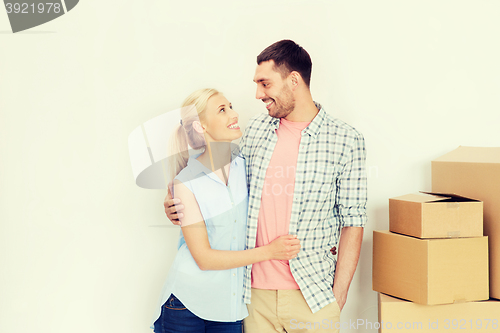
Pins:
<point x="276" y="206"/>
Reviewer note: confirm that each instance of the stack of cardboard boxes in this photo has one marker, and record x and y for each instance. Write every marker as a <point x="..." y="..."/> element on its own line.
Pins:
<point x="435" y="258"/>
<point x="475" y="172"/>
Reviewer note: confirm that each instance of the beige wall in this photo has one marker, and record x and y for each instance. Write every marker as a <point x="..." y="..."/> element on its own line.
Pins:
<point x="83" y="249"/>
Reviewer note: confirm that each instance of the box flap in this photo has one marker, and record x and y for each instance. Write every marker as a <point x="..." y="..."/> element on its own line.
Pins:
<point x="386" y="298"/>
<point x="472" y="155"/>
<point x="454" y="196"/>
<point x="421" y="197"/>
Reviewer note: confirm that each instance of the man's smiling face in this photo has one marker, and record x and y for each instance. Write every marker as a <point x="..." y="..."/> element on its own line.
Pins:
<point x="273" y="90"/>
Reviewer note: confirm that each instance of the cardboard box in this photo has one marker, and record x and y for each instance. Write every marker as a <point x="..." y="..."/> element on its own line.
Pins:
<point x="402" y="316"/>
<point x="430" y="271"/>
<point x="436" y="215"/>
<point x="475" y="172"/>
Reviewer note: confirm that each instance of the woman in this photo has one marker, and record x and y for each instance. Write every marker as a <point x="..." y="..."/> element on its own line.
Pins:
<point x="204" y="289"/>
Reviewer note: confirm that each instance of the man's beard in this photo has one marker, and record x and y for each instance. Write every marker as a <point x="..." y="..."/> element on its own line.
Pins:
<point x="286" y="103"/>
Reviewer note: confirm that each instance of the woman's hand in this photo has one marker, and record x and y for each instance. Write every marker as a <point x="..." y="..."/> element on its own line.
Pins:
<point x="284" y="247"/>
<point x="173" y="208"/>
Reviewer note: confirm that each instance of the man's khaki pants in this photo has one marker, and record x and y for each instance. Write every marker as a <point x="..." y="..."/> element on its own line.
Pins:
<point x="274" y="311"/>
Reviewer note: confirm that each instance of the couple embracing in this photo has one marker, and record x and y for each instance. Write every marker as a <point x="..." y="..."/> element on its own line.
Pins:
<point x="261" y="224"/>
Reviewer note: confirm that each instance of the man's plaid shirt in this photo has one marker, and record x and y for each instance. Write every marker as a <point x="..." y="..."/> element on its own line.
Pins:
<point x="330" y="193"/>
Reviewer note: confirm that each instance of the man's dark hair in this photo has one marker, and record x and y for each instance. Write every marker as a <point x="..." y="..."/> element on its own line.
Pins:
<point x="288" y="56"/>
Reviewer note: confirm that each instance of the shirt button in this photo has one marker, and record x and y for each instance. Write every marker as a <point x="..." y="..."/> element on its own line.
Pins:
<point x="234" y="274"/>
<point x="232" y="203"/>
<point x="234" y="237"/>
<point x="234" y="294"/>
<point x="234" y="221"/>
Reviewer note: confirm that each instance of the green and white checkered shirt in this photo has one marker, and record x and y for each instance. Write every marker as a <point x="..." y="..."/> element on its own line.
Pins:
<point x="330" y="193"/>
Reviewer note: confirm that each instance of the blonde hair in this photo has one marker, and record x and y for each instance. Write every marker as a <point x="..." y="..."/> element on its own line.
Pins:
<point x="193" y="109"/>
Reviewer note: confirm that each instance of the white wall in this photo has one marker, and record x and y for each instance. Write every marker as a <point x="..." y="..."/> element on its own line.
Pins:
<point x="83" y="249"/>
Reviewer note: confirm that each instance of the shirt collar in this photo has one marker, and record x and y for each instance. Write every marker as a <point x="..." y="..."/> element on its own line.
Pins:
<point x="314" y="126"/>
<point x="197" y="168"/>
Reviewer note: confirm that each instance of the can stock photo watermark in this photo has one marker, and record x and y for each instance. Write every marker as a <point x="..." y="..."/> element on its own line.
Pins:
<point x="26" y="14"/>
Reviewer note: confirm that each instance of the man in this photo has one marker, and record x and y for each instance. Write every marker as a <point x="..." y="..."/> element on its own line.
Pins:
<point x="306" y="175"/>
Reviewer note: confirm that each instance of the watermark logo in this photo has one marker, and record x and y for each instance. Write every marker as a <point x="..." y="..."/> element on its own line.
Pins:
<point x="26" y="14"/>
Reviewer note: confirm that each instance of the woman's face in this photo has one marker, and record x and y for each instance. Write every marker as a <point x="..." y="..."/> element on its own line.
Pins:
<point x="220" y="120"/>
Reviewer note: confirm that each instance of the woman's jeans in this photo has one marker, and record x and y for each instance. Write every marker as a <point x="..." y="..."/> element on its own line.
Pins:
<point x="175" y="318"/>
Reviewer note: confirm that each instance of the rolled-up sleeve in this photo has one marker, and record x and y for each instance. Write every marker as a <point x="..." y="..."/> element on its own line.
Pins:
<point x="352" y="186"/>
